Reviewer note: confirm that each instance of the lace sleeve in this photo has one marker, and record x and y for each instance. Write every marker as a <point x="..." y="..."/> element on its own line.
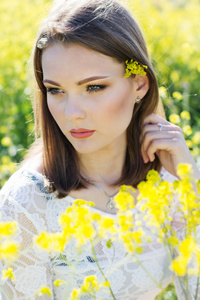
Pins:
<point x="23" y="202"/>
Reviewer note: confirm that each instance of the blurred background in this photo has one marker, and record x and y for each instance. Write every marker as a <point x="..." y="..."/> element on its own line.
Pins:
<point x="171" y="28"/>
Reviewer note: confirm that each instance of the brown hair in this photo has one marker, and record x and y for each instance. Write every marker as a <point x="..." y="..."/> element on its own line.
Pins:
<point x="109" y="28"/>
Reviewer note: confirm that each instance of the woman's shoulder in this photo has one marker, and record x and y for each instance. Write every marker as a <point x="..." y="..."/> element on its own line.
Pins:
<point x="26" y="187"/>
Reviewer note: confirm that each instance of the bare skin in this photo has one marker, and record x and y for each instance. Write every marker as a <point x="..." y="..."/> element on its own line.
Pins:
<point x="104" y="104"/>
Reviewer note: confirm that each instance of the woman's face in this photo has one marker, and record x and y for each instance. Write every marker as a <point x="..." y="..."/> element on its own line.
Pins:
<point x="88" y="97"/>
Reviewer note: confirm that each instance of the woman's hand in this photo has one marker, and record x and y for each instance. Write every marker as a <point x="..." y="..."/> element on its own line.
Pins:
<point x="167" y="141"/>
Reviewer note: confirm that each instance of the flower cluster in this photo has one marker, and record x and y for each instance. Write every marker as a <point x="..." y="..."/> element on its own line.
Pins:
<point x="8" y="247"/>
<point x="155" y="200"/>
<point x="154" y="208"/>
<point x="89" y="287"/>
<point x="134" y="67"/>
<point x="187" y="260"/>
<point x="82" y="225"/>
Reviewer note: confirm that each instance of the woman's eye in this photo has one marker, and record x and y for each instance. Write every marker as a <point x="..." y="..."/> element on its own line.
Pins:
<point x="95" y="88"/>
<point x="54" y="91"/>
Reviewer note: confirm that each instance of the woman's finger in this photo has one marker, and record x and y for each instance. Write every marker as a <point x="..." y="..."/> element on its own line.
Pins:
<point x="154" y="119"/>
<point x="171" y="145"/>
<point x="157" y="135"/>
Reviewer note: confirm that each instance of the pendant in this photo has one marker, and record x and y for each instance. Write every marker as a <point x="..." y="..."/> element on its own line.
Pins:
<point x="111" y="204"/>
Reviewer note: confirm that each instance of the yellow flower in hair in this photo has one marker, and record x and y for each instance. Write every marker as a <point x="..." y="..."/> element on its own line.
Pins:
<point x="134" y="67"/>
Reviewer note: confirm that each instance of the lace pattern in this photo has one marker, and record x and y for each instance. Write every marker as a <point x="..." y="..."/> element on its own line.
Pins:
<point x="25" y="199"/>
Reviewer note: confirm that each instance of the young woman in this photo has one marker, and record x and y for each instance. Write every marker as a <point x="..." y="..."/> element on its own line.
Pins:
<point x="96" y="130"/>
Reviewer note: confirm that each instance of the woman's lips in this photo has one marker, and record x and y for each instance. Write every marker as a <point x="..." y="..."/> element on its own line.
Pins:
<point x="81" y="133"/>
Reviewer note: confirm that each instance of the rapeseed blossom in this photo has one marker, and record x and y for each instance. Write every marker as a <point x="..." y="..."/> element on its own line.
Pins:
<point x="134" y="67"/>
<point x="8" y="246"/>
<point x="187" y="130"/>
<point x="174" y="118"/>
<point x="90" y="286"/>
<point x="59" y="282"/>
<point x="153" y="209"/>
<point x="185" y="115"/>
<point x="8" y="273"/>
<point x="45" y="290"/>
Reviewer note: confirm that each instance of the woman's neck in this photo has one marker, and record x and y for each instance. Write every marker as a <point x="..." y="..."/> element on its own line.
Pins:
<point x="102" y="168"/>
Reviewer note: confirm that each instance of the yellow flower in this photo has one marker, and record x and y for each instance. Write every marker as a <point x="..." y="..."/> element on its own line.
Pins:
<point x="76" y="222"/>
<point x="186" y="249"/>
<point x="96" y="217"/>
<point x="173" y="241"/>
<point x="80" y="202"/>
<point x="8" y="274"/>
<point x="45" y="290"/>
<point x="177" y="95"/>
<point x="184" y="170"/>
<point x="187" y="130"/>
<point x="9" y="250"/>
<point x="51" y="241"/>
<point x="198" y="186"/>
<point x="185" y="115"/>
<point x="75" y="294"/>
<point x="179" y="267"/>
<point x="106" y="284"/>
<point x="59" y="282"/>
<point x="153" y="176"/>
<point x="196" y="138"/>
<point x="133" y="67"/>
<point x="6" y="141"/>
<point x="174" y="118"/>
<point x="125" y="222"/>
<point x="8" y="228"/>
<point x="124" y="200"/>
<point x="5" y="160"/>
<point x="90" y="284"/>
<point x="106" y="226"/>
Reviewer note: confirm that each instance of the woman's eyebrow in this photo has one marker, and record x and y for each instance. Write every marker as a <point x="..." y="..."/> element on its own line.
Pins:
<point x="79" y="82"/>
<point x="51" y="81"/>
<point x="90" y="79"/>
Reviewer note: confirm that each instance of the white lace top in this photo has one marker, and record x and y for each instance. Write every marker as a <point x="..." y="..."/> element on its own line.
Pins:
<point x="25" y="200"/>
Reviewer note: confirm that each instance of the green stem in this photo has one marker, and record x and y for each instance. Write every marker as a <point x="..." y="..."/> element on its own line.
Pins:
<point x="104" y="276"/>
<point x="151" y="277"/>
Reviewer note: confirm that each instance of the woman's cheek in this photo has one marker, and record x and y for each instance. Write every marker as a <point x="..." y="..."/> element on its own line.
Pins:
<point x="55" y="108"/>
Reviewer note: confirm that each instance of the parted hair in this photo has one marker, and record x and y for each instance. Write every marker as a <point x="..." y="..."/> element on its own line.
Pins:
<point x="108" y="28"/>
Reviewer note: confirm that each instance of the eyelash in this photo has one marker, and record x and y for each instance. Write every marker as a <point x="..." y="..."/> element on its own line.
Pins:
<point x="54" y="91"/>
<point x="92" y="88"/>
<point x="97" y="88"/>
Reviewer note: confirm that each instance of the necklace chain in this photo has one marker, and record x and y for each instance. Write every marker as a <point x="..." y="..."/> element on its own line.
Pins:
<point x="111" y="203"/>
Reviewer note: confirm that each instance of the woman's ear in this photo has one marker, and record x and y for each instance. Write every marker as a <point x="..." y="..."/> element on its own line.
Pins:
<point x="142" y="85"/>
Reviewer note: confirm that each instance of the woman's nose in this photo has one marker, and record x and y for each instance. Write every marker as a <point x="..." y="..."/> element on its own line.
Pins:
<point x="74" y="110"/>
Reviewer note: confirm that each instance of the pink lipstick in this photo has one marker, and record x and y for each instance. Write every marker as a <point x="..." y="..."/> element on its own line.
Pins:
<point x="81" y="133"/>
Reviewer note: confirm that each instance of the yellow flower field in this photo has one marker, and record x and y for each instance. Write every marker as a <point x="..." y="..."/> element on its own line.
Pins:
<point x="172" y="32"/>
